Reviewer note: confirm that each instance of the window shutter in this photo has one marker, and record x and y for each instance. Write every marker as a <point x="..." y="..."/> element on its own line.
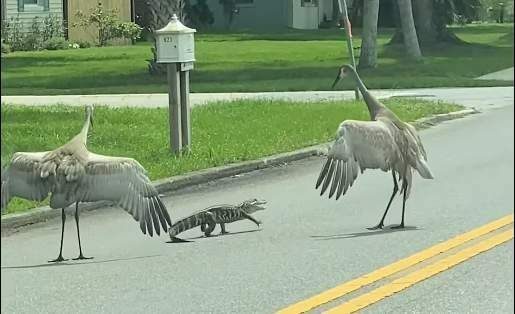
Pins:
<point x="46" y="5"/>
<point x="20" y="5"/>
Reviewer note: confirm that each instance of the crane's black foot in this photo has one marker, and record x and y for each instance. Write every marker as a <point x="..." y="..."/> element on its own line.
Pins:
<point x="58" y="259"/>
<point x="82" y="257"/>
<point x="379" y="226"/>
<point x="178" y="240"/>
<point x="401" y="226"/>
<point x="224" y="232"/>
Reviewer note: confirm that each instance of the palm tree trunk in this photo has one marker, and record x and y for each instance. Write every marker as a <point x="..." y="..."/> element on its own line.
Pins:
<point x="368" y="55"/>
<point x="423" y="16"/>
<point x="408" y="29"/>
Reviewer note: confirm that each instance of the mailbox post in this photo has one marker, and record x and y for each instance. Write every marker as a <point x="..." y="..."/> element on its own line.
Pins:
<point x="176" y="47"/>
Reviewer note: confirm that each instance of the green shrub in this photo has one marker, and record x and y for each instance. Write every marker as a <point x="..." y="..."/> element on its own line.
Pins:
<point x="12" y="35"/>
<point x="127" y="30"/>
<point x="5" y="47"/>
<point x="108" y="24"/>
<point x="56" y="43"/>
<point x="83" y="44"/>
<point x="40" y="31"/>
<point x="51" y="27"/>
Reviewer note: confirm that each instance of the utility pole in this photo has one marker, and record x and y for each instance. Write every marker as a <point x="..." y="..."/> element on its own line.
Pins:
<point x="348" y="33"/>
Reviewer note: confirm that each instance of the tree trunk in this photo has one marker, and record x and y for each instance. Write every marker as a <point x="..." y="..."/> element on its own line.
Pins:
<point x="423" y="16"/>
<point x="430" y="24"/>
<point x="408" y="30"/>
<point x="368" y="55"/>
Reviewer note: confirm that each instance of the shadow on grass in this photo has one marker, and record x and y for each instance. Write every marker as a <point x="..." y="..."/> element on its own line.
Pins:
<point x="72" y="263"/>
<point x="482" y="29"/>
<point x="385" y="230"/>
<point x="506" y="39"/>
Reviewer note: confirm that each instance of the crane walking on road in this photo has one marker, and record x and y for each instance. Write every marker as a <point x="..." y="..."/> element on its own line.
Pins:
<point x="72" y="174"/>
<point x="385" y="143"/>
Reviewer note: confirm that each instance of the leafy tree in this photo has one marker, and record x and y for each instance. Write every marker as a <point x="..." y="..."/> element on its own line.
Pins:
<point x="229" y="8"/>
<point x="200" y="15"/>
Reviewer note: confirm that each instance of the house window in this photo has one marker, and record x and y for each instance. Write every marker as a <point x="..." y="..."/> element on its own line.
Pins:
<point x="32" y="5"/>
<point x="244" y="3"/>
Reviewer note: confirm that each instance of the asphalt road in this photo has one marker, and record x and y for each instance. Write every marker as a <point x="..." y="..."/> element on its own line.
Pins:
<point x="306" y="244"/>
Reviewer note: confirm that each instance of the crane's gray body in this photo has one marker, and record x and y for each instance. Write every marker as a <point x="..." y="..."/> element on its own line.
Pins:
<point x="72" y="174"/>
<point x="385" y="143"/>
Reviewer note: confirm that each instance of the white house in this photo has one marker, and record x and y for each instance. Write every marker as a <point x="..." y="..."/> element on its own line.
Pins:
<point x="26" y="10"/>
<point x="261" y="14"/>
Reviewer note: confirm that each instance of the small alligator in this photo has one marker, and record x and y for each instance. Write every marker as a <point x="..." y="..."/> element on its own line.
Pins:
<point x="218" y="214"/>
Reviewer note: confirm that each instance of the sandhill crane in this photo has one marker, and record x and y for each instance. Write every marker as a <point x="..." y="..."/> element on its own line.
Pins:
<point x="72" y="174"/>
<point x="385" y="143"/>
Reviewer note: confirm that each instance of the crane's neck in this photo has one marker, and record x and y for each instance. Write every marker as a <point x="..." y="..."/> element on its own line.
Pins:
<point x="83" y="135"/>
<point x="374" y="106"/>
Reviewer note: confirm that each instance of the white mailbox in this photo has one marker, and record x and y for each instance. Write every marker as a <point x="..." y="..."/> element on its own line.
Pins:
<point x="175" y="43"/>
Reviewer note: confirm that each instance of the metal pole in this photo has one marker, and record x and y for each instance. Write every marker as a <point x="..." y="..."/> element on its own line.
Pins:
<point x="174" y="109"/>
<point x="185" y="109"/>
<point x="343" y="11"/>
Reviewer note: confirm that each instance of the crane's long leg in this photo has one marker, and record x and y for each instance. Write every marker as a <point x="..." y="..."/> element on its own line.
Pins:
<point x="78" y="232"/>
<point x="395" y="190"/>
<point x="60" y="257"/>
<point x="405" y="187"/>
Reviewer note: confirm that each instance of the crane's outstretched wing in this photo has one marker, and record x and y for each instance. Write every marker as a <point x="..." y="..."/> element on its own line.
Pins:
<point x="22" y="178"/>
<point x="359" y="145"/>
<point x="124" y="180"/>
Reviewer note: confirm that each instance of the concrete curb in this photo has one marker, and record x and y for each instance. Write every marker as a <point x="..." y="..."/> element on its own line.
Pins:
<point x="13" y="221"/>
<point x="427" y="122"/>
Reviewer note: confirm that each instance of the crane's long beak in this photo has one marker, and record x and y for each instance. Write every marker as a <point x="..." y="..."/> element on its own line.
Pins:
<point x="336" y="80"/>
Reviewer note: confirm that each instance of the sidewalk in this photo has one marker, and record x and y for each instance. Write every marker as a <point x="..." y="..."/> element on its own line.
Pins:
<point x="456" y="94"/>
<point x="468" y="96"/>
<point x="503" y="75"/>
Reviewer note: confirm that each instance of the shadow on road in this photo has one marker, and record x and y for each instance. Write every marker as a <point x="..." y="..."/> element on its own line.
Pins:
<point x="385" y="230"/>
<point x="187" y="240"/>
<point x="77" y="263"/>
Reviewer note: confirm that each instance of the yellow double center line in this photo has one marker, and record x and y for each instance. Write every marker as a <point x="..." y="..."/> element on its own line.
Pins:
<point x="403" y="264"/>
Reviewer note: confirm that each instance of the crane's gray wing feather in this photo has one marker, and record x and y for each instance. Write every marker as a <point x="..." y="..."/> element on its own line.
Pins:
<point x="125" y="181"/>
<point x="22" y="178"/>
<point x="359" y="145"/>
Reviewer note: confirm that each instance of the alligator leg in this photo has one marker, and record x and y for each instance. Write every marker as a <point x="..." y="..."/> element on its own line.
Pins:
<point x="222" y="225"/>
<point x="211" y="224"/>
<point x="249" y="217"/>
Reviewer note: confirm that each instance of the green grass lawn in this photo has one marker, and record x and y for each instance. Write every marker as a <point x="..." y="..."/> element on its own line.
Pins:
<point x="291" y="60"/>
<point x="222" y="133"/>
